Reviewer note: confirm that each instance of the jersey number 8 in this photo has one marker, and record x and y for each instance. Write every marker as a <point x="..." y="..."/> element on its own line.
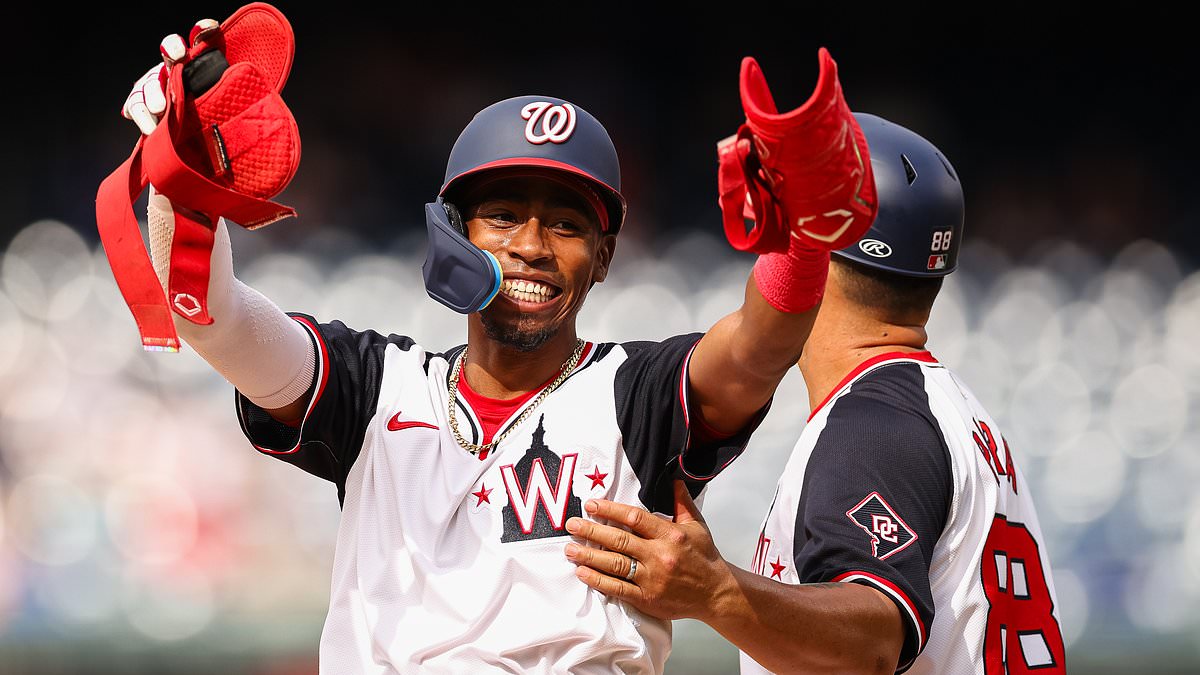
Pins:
<point x="1022" y="633"/>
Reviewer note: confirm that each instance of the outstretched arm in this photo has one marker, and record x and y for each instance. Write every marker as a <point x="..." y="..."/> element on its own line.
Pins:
<point x="251" y="342"/>
<point x="804" y="180"/>
<point x="741" y="360"/>
<point x="787" y="628"/>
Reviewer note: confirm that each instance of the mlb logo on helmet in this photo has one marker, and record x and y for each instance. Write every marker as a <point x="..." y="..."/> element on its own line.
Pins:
<point x="937" y="262"/>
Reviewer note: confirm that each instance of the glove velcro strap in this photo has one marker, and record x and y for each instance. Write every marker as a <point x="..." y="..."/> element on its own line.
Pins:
<point x="749" y="210"/>
<point x="127" y="255"/>
<point x="191" y="254"/>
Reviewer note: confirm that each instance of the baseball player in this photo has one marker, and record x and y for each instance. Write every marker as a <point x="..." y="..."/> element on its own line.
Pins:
<point x="902" y="535"/>
<point x="457" y="470"/>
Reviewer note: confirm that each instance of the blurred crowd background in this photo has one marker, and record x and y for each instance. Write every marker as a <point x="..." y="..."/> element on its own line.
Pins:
<point x="140" y="532"/>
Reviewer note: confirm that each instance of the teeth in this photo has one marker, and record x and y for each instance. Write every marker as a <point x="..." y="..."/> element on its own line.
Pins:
<point x="529" y="291"/>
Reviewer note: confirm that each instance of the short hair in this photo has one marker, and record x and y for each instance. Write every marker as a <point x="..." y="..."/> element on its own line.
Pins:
<point x="897" y="297"/>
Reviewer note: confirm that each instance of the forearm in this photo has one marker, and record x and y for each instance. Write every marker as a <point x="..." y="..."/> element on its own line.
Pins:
<point x="807" y="628"/>
<point x="252" y="343"/>
<point x="741" y="360"/>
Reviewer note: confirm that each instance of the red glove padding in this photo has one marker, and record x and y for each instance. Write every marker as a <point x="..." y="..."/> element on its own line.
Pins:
<point x="806" y="173"/>
<point x="223" y="153"/>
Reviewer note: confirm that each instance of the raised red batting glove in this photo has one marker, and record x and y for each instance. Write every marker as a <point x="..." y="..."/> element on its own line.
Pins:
<point x="795" y="186"/>
<point x="806" y="172"/>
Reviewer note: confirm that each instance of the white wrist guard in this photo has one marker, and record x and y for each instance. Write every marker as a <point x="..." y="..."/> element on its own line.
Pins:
<point x="263" y="352"/>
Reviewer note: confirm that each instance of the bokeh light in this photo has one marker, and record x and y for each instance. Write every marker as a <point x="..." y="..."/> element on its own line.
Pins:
<point x="130" y="502"/>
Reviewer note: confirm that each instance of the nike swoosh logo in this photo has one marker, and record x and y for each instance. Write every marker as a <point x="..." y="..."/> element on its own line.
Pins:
<point x="395" y="424"/>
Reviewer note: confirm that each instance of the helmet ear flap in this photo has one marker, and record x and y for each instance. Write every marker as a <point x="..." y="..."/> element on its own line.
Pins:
<point x="456" y="220"/>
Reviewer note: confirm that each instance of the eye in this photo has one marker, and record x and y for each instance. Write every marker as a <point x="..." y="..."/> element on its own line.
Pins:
<point x="567" y="226"/>
<point x="498" y="216"/>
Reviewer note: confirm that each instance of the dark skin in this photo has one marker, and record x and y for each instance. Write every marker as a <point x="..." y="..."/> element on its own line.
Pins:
<point x="544" y="232"/>
<point x="787" y="628"/>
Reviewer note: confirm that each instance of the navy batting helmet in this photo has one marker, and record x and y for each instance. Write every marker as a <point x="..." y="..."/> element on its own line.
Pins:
<point x="918" y="230"/>
<point x="536" y="133"/>
<point x="546" y="132"/>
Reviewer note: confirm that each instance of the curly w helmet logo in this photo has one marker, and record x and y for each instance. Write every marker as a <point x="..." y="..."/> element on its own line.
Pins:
<point x="548" y="123"/>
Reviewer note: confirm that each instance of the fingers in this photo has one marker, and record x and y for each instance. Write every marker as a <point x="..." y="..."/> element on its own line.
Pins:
<point x="635" y="518"/>
<point x="608" y="562"/>
<point x="610" y="586"/>
<point x="172" y="49"/>
<point x="612" y="538"/>
<point x="202" y="30"/>
<point x="146" y="100"/>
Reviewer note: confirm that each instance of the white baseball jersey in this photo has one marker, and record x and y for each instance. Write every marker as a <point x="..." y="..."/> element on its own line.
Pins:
<point x="901" y="481"/>
<point x="447" y="562"/>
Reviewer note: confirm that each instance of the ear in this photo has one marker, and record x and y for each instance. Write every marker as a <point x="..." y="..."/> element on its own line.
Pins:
<point x="604" y="256"/>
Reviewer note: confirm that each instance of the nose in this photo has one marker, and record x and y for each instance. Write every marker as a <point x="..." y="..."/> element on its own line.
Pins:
<point x="528" y="242"/>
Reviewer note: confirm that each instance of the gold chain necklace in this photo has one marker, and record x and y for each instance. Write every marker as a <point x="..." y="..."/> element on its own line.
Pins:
<point x="474" y="448"/>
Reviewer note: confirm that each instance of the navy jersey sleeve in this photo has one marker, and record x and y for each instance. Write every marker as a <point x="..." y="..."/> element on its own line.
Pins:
<point x="654" y="416"/>
<point x="346" y="384"/>
<point x="876" y="496"/>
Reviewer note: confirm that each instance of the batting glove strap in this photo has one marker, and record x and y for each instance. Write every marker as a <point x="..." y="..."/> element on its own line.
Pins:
<point x="251" y="342"/>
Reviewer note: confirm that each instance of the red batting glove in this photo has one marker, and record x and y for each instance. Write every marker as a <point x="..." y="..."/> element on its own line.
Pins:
<point x="801" y="180"/>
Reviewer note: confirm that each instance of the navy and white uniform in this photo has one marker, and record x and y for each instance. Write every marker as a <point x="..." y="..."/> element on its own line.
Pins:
<point x="447" y="562"/>
<point x="901" y="481"/>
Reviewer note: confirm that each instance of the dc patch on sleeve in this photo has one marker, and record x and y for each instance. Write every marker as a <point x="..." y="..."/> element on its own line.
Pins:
<point x="888" y="532"/>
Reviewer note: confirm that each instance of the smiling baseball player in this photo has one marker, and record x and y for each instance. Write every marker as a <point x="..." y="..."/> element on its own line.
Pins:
<point x="457" y="469"/>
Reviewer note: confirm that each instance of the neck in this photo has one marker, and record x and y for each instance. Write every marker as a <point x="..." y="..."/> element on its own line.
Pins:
<point x="843" y="340"/>
<point x="497" y="370"/>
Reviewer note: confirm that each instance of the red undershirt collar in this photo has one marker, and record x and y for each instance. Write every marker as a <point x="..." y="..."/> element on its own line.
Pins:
<point x="492" y="412"/>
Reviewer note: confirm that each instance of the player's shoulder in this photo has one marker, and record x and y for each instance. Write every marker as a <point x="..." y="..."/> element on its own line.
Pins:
<point x="334" y="333"/>
<point x="684" y="342"/>
<point x="888" y="408"/>
<point x="892" y="388"/>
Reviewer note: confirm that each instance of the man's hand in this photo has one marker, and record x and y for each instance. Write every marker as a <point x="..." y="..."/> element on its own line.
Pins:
<point x="788" y="628"/>
<point x="146" y="101"/>
<point x="679" y="572"/>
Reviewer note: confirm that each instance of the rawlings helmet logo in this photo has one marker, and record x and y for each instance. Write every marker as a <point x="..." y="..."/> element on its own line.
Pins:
<point x="557" y="122"/>
<point x="875" y="248"/>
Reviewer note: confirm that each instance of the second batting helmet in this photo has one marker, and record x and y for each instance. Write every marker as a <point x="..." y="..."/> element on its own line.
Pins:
<point x="539" y="133"/>
<point x="918" y="229"/>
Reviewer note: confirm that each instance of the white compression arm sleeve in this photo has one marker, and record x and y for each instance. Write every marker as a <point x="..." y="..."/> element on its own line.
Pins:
<point x="263" y="352"/>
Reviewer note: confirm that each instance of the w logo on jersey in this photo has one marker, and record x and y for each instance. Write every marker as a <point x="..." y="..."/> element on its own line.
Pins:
<point x="540" y="498"/>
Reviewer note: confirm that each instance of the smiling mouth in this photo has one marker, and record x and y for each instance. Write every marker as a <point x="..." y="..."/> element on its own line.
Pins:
<point x="528" y="291"/>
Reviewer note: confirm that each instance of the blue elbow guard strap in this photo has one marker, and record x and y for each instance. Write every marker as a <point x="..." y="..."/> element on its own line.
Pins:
<point x="457" y="273"/>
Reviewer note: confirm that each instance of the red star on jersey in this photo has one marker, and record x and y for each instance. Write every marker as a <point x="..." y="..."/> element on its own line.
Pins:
<point x="777" y="569"/>
<point x="596" y="476"/>
<point x="482" y="495"/>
